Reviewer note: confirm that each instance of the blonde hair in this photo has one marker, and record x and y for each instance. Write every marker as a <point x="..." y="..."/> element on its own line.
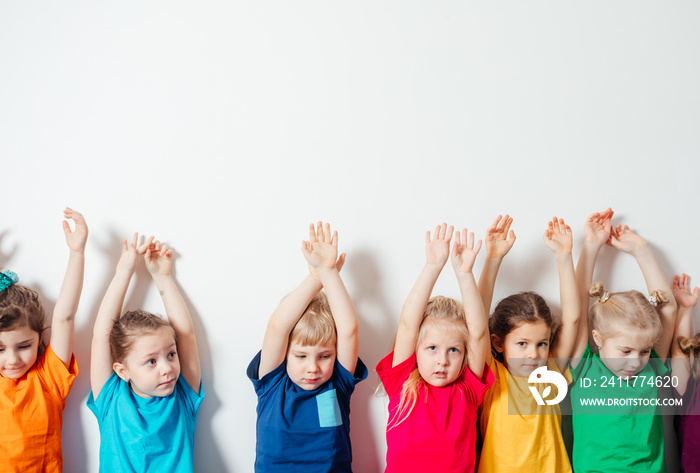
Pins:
<point x="439" y="312"/>
<point x="316" y="325"/>
<point x="624" y="309"/>
<point x="132" y="325"/>
<point x="691" y="347"/>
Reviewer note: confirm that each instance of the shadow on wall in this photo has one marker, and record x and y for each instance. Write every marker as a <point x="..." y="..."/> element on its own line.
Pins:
<point x="376" y="332"/>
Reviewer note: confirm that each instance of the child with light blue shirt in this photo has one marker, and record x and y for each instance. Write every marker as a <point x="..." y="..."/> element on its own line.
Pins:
<point x="145" y="372"/>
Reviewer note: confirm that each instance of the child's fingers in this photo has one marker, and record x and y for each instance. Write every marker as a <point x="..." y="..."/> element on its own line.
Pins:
<point x="312" y="233"/>
<point x="477" y="247"/>
<point x="327" y="232"/>
<point x="494" y="224"/>
<point x="334" y="240"/>
<point x="450" y="229"/>
<point x="341" y="262"/>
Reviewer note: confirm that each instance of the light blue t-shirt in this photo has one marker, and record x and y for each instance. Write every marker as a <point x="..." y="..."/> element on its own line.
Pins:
<point x="145" y="435"/>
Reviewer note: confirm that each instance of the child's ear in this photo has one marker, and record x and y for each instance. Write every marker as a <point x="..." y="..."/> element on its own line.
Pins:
<point x="497" y="343"/>
<point x="121" y="371"/>
<point x="597" y="338"/>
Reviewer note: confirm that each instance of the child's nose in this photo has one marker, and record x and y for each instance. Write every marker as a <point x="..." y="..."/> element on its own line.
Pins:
<point x="12" y="357"/>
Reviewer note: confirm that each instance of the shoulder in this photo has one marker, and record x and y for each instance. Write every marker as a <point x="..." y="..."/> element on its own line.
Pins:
<point x="392" y="377"/>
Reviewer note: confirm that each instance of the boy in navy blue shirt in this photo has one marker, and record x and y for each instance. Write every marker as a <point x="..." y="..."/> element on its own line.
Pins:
<point x="308" y="368"/>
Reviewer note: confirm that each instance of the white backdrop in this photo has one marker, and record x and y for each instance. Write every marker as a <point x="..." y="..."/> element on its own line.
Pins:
<point x="225" y="127"/>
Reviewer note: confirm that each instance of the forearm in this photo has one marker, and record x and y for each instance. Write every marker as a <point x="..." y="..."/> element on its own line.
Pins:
<point x="292" y="306"/>
<point x="475" y="315"/>
<point x="487" y="281"/>
<point x="570" y="305"/>
<point x="111" y="306"/>
<point x="69" y="296"/>
<point x="344" y="313"/>
<point x="412" y="312"/>
<point x="175" y="306"/>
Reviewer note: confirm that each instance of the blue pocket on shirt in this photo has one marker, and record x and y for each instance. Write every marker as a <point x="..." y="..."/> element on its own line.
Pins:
<point x="328" y="409"/>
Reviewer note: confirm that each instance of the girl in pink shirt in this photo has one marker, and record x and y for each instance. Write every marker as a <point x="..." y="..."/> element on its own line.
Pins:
<point x="436" y="376"/>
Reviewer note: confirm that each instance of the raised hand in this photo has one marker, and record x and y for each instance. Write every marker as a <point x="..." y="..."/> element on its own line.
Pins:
<point x="597" y="227"/>
<point x="682" y="293"/>
<point x="77" y="238"/>
<point x="131" y="252"/>
<point x="464" y="251"/>
<point x="499" y="237"/>
<point x="626" y="240"/>
<point x="437" y="248"/>
<point x="158" y="258"/>
<point x="558" y="237"/>
<point x="321" y="250"/>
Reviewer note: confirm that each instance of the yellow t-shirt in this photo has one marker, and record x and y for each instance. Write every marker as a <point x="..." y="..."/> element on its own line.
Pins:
<point x="31" y="409"/>
<point x="520" y="441"/>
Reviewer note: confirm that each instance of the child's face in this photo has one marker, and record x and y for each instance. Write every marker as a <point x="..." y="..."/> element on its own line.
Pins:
<point x="310" y="366"/>
<point x="525" y="348"/>
<point x="152" y="365"/>
<point x="19" y="349"/>
<point x="627" y="352"/>
<point x="440" y="354"/>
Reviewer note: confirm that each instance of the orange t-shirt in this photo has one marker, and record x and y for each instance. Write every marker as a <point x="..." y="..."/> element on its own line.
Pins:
<point x="31" y="415"/>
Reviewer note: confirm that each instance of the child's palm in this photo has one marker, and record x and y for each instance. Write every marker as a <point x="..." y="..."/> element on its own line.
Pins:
<point x="682" y="293"/>
<point x="159" y="259"/>
<point x="558" y="236"/>
<point x="499" y="237"/>
<point x="437" y="248"/>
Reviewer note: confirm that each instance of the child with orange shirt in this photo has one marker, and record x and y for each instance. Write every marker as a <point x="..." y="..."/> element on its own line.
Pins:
<point x="34" y="379"/>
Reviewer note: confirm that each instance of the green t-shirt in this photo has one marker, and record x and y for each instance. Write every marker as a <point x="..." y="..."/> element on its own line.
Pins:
<point x="617" y="424"/>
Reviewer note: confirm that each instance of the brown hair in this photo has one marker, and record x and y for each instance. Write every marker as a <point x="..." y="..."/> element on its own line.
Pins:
<point x="691" y="347"/>
<point x="518" y="309"/>
<point x="21" y="307"/>
<point x="439" y="312"/>
<point x="129" y="327"/>
<point x="626" y="309"/>
<point x="316" y="325"/>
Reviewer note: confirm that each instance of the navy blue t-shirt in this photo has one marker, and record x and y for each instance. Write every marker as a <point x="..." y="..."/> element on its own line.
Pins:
<point x="303" y="431"/>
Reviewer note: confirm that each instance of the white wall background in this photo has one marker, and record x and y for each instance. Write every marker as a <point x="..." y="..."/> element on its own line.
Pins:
<point x="225" y="127"/>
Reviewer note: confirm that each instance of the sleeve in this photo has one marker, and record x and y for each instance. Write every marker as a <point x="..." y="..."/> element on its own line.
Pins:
<point x="100" y="406"/>
<point x="55" y="374"/>
<point x="582" y="367"/>
<point x="478" y="386"/>
<point x="266" y="383"/>
<point x="393" y="377"/>
<point x="188" y="397"/>
<point x="347" y="381"/>
<point x="659" y="367"/>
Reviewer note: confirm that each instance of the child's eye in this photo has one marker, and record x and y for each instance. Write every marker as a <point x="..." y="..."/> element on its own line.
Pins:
<point x="542" y="344"/>
<point x="2" y="350"/>
<point x="171" y="355"/>
<point x="432" y="348"/>
<point x="646" y="352"/>
<point x="300" y="356"/>
<point x="151" y="362"/>
<point x="454" y="350"/>
<point x="325" y="357"/>
<point x="626" y="352"/>
<point x="522" y="344"/>
<point x="24" y="347"/>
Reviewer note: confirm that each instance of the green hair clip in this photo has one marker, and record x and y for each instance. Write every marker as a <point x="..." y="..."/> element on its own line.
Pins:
<point x="7" y="279"/>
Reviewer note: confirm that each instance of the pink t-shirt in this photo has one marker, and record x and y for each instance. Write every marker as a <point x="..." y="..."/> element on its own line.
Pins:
<point x="440" y="433"/>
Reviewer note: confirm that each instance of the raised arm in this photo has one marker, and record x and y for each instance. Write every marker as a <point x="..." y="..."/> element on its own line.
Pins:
<point x="321" y="252"/>
<point x="499" y="241"/>
<point x="597" y="230"/>
<point x="63" y="321"/>
<point x="110" y="310"/>
<point x="437" y="250"/>
<point x="558" y="238"/>
<point x="625" y="240"/>
<point x="287" y="314"/>
<point x="686" y="300"/>
<point x="464" y="253"/>
<point x="159" y="260"/>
